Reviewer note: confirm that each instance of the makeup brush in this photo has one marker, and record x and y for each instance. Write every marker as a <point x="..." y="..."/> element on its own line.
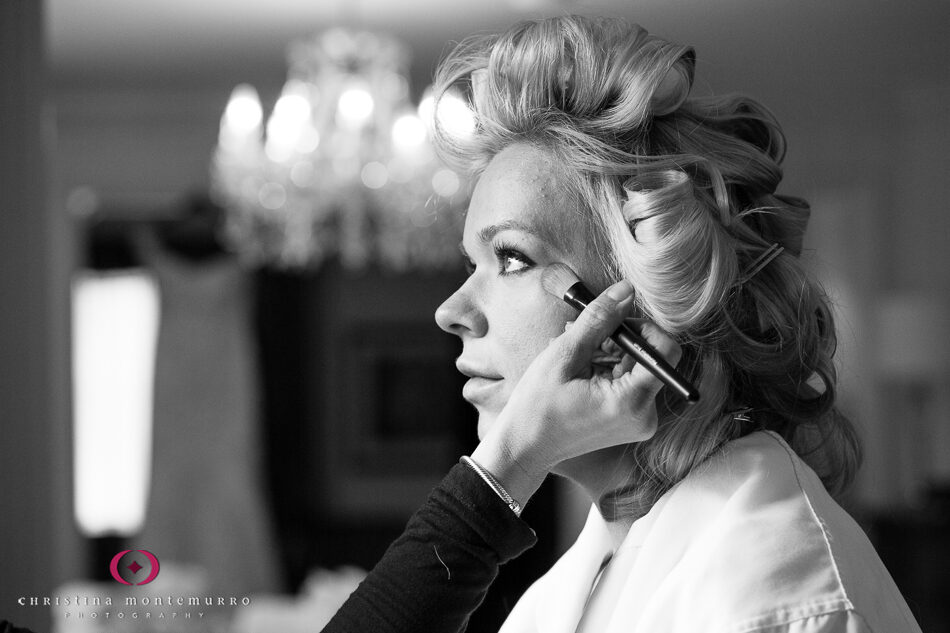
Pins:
<point x="560" y="281"/>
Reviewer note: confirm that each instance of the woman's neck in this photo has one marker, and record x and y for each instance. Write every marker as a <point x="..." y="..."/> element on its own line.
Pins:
<point x="598" y="473"/>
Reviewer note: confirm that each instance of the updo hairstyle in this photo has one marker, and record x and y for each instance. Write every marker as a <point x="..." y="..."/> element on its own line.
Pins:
<point x="678" y="194"/>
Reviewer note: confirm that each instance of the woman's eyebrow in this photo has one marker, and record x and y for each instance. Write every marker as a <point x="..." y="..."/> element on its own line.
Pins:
<point x="537" y="229"/>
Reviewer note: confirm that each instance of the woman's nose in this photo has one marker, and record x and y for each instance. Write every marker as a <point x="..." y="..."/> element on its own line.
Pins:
<point x="460" y="315"/>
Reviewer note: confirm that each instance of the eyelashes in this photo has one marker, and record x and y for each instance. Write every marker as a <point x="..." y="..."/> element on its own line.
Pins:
<point x="509" y="259"/>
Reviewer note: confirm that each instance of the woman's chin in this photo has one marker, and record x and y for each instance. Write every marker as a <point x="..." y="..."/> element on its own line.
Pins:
<point x="485" y="422"/>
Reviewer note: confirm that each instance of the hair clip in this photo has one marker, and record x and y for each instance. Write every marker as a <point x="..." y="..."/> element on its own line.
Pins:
<point x="761" y="262"/>
<point x="742" y="415"/>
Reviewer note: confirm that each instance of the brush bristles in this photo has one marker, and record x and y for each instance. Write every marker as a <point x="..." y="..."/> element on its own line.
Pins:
<point x="557" y="278"/>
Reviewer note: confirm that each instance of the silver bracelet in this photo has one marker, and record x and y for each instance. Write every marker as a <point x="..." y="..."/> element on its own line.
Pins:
<point x="491" y="481"/>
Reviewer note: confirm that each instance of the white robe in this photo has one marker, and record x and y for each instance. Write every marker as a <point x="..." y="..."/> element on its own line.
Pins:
<point x="750" y="542"/>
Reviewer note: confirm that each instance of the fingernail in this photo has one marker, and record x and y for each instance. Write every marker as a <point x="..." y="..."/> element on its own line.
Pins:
<point x="620" y="290"/>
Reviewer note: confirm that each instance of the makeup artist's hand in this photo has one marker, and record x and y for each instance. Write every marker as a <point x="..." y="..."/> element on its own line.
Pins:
<point x="567" y="404"/>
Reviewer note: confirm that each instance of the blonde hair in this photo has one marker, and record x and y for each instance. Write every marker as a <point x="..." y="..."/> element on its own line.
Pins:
<point x="679" y="193"/>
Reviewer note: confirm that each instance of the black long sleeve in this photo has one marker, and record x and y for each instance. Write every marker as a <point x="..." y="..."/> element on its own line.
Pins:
<point x="437" y="572"/>
<point x="7" y="627"/>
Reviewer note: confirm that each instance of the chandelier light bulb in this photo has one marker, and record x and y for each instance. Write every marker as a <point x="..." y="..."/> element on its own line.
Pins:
<point x="289" y="122"/>
<point x="294" y="101"/>
<point x="409" y="133"/>
<point x="243" y="113"/>
<point x="455" y="117"/>
<point x="355" y="107"/>
<point x="426" y="109"/>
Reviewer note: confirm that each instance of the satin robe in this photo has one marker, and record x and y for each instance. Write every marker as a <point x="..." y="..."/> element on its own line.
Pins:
<point x="749" y="542"/>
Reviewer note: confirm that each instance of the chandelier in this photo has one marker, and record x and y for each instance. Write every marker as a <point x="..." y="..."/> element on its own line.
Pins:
<point x="344" y="167"/>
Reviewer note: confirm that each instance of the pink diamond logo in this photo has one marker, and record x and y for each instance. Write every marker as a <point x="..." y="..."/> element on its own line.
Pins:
<point x="135" y="567"/>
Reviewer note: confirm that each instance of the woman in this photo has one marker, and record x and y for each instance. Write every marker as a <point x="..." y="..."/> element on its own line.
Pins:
<point x="589" y="151"/>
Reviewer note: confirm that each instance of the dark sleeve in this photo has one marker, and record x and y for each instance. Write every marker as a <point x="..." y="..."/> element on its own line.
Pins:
<point x="437" y="573"/>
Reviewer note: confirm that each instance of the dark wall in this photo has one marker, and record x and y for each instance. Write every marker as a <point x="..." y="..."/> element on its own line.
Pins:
<point x="34" y="265"/>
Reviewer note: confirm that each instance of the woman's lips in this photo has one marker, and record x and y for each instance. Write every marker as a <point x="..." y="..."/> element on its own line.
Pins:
<point x="482" y="383"/>
<point x="479" y="389"/>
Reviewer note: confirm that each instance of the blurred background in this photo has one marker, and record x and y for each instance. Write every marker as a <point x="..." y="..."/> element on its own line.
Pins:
<point x="224" y="236"/>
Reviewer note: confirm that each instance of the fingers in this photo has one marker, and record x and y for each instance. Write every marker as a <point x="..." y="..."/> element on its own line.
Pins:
<point x="659" y="340"/>
<point x="595" y="323"/>
<point x="625" y="365"/>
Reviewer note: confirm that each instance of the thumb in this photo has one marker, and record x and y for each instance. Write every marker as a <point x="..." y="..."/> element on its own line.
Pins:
<point x="595" y="323"/>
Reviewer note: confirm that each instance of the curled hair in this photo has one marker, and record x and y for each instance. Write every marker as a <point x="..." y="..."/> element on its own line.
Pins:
<point x="679" y="196"/>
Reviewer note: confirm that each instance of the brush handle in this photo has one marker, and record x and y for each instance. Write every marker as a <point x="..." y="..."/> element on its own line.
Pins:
<point x="634" y="344"/>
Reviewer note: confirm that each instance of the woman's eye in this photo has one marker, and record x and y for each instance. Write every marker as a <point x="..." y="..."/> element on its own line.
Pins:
<point x="511" y="261"/>
<point x="469" y="267"/>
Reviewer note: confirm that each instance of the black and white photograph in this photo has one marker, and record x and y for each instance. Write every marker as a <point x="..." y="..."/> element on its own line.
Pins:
<point x="445" y="316"/>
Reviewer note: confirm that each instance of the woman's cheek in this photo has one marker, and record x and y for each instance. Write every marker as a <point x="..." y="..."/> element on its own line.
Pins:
<point x="525" y="318"/>
<point x="531" y="338"/>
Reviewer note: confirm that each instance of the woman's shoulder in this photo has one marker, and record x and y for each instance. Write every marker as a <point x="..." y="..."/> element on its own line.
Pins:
<point x="757" y="502"/>
<point x="753" y="475"/>
<point x="765" y="538"/>
<point x="747" y="505"/>
<point x="749" y="542"/>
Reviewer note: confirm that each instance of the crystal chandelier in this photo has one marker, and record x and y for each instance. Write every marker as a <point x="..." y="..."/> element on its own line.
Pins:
<point x="345" y="167"/>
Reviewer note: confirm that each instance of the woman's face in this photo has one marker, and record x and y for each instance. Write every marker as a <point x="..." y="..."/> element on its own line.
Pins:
<point x="519" y="220"/>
